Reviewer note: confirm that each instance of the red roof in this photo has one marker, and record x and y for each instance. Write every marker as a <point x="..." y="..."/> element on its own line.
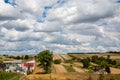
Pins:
<point x="26" y="64"/>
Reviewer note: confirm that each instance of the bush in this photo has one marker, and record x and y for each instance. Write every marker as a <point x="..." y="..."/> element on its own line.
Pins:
<point x="107" y="69"/>
<point x="68" y="61"/>
<point x="86" y="63"/>
<point x="26" y="57"/>
<point x="57" y="61"/>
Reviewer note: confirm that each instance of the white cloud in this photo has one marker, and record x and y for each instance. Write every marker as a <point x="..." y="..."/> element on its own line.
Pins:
<point x="71" y="26"/>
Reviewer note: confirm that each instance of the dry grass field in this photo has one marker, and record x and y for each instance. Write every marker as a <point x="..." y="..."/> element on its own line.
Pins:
<point x="112" y="55"/>
<point x="59" y="68"/>
<point x="115" y="70"/>
<point x="57" y="56"/>
<point x="59" y="72"/>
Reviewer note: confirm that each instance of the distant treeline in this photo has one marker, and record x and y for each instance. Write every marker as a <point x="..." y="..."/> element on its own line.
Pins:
<point x="85" y="53"/>
<point x="117" y="52"/>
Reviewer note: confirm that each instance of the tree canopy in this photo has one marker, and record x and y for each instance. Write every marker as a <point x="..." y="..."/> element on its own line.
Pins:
<point x="46" y="57"/>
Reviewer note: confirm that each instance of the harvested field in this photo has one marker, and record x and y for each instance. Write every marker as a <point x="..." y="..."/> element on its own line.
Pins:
<point x="80" y="56"/>
<point x="78" y="70"/>
<point x="115" y="70"/>
<point x="70" y="76"/>
<point x="54" y="57"/>
<point x="59" y="68"/>
<point x="66" y="57"/>
<point x="57" y="56"/>
<point x="78" y="64"/>
<point x="112" y="56"/>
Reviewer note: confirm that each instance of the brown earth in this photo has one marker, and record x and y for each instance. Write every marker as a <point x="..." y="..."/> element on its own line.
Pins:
<point x="114" y="70"/>
<point x="59" y="68"/>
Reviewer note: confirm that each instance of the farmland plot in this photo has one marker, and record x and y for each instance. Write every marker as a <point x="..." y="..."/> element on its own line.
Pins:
<point x="54" y="57"/>
<point x="78" y="70"/>
<point x="66" y="57"/>
<point x="78" y="64"/>
<point x="57" y="56"/>
<point x="114" y="56"/>
<point x="80" y="56"/>
<point x="59" y="68"/>
<point x="115" y="70"/>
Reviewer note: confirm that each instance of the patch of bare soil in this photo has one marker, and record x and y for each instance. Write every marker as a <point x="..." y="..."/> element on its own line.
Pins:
<point x="114" y="70"/>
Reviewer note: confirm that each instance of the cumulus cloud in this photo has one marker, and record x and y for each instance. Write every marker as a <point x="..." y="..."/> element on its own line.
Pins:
<point x="30" y="26"/>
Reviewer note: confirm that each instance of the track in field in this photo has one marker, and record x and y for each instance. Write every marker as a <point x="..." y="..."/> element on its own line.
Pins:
<point x="59" y="68"/>
<point x="78" y="70"/>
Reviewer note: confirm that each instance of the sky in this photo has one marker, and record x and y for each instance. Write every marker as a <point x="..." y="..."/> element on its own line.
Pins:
<point x="62" y="26"/>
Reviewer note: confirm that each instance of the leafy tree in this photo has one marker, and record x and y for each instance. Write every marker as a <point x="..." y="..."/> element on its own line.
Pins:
<point x="94" y="58"/>
<point x="45" y="57"/>
<point x="108" y="56"/>
<point x="103" y="64"/>
<point x="107" y="69"/>
<point x="85" y="62"/>
<point x="26" y="57"/>
<point x="57" y="61"/>
<point x="113" y="62"/>
<point x="18" y="57"/>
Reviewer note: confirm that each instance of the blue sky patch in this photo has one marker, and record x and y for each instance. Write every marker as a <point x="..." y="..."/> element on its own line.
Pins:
<point x="46" y="8"/>
<point x="118" y="1"/>
<point x="6" y="1"/>
<point x="13" y="3"/>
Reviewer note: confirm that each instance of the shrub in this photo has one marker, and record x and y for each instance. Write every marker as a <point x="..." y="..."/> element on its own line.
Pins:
<point x="57" y="61"/>
<point x="107" y="69"/>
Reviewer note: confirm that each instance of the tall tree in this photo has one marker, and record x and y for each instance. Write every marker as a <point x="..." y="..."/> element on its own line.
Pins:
<point x="85" y="62"/>
<point x="26" y="57"/>
<point x="107" y="69"/>
<point x="45" y="57"/>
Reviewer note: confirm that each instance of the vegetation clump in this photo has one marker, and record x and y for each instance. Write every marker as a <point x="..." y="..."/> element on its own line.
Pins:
<point x="57" y="61"/>
<point x="46" y="57"/>
<point x="69" y="68"/>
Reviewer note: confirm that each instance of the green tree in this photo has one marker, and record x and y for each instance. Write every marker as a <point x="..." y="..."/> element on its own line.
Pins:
<point x="103" y="64"/>
<point x="108" y="56"/>
<point x="26" y="57"/>
<point x="107" y="69"/>
<point x="85" y="62"/>
<point x="18" y="57"/>
<point x="45" y="57"/>
<point x="57" y="61"/>
<point x="94" y="58"/>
